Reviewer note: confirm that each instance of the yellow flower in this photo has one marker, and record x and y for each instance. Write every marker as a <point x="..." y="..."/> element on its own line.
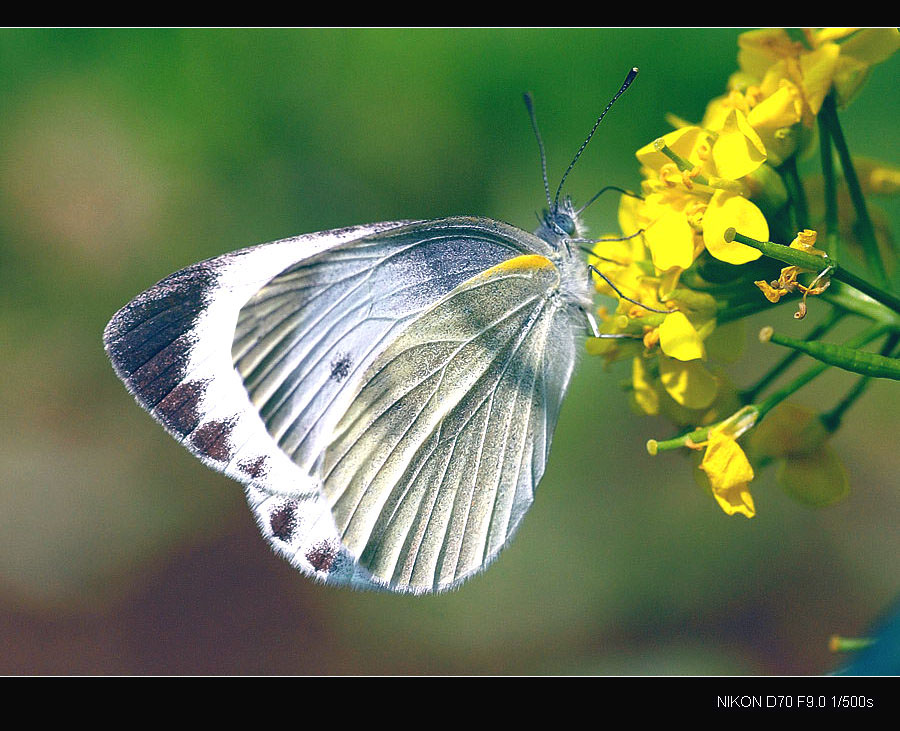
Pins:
<point x="876" y="177"/>
<point x="838" y="58"/>
<point x="783" y="81"/>
<point x="729" y="473"/>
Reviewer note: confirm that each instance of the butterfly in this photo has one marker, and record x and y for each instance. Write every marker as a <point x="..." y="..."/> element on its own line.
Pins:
<point x="386" y="393"/>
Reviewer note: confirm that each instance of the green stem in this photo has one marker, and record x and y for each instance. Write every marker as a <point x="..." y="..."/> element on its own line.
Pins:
<point x="813" y="263"/>
<point x="685" y="166"/>
<point x="857" y="342"/>
<point x="796" y="193"/>
<point x="849" y="299"/>
<point x="832" y="419"/>
<point x="832" y="237"/>
<point x="864" y="228"/>
<point x="749" y="395"/>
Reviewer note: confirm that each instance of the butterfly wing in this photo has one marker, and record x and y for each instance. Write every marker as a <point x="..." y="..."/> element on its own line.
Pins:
<point x="437" y="459"/>
<point x="252" y="359"/>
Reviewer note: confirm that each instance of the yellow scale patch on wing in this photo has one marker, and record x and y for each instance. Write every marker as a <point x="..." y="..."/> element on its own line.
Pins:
<point x="525" y="263"/>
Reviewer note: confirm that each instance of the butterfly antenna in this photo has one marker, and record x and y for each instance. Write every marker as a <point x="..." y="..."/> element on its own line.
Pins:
<point x="529" y="105"/>
<point x="630" y="193"/>
<point x="628" y="79"/>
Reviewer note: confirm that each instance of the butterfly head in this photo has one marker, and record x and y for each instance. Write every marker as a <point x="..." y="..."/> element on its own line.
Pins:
<point x="561" y="223"/>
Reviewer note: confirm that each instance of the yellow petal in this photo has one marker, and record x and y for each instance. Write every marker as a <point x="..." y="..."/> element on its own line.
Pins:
<point x="729" y="472"/>
<point x="818" y="68"/>
<point x="679" y="339"/>
<point x="759" y="49"/>
<point x="684" y="142"/>
<point x="858" y="54"/>
<point x="671" y="240"/>
<point x="689" y="383"/>
<point x="729" y="209"/>
<point x="630" y="219"/>
<point x="872" y="45"/>
<point x="774" y="118"/>
<point x="738" y="150"/>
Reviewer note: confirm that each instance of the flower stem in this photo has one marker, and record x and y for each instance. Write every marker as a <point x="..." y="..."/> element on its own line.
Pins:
<point x="856" y="342"/>
<point x="832" y="238"/>
<point x="832" y="419"/>
<point x="864" y="228"/>
<point x="796" y="193"/>
<point x="850" y="359"/>
<point x="814" y="263"/>
<point x="750" y="395"/>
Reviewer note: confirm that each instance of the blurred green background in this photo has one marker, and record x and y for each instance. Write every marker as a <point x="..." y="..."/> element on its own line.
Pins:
<point x="129" y="154"/>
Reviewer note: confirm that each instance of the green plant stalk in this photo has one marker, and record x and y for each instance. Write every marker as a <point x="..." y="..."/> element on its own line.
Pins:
<point x="832" y="239"/>
<point x="750" y="395"/>
<point x="832" y="419"/>
<point x="813" y="263"/>
<point x="858" y="341"/>
<point x="797" y="195"/>
<point x="864" y="228"/>
<point x="849" y="299"/>
<point x="850" y="359"/>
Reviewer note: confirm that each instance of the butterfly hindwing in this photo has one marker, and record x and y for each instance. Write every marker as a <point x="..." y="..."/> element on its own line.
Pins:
<point x="436" y="461"/>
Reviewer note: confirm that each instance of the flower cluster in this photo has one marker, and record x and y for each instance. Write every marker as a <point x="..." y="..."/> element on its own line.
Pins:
<point x="712" y="194"/>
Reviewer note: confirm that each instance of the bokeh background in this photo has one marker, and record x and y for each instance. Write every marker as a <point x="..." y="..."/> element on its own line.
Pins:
<point x="128" y="154"/>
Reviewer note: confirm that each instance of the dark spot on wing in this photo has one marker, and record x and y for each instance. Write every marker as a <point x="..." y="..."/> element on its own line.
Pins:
<point x="340" y="367"/>
<point x="322" y="556"/>
<point x="283" y="521"/>
<point x="212" y="440"/>
<point x="179" y="410"/>
<point x="254" y="468"/>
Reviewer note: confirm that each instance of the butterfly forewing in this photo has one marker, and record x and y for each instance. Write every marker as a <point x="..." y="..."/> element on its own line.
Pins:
<point x="304" y="339"/>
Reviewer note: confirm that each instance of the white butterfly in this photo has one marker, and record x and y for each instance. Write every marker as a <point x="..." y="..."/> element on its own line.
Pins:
<point x="386" y="393"/>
